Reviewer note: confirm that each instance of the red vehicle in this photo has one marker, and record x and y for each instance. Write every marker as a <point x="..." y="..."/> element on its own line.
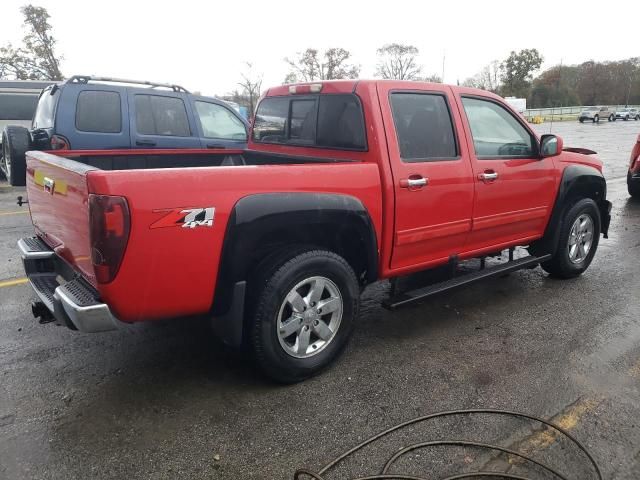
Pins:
<point x="343" y="184"/>
<point x="633" y="176"/>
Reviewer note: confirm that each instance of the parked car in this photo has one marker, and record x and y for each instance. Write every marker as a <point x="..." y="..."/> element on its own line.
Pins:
<point x="18" y="100"/>
<point x="628" y="114"/>
<point x="99" y="113"/>
<point x="633" y="175"/>
<point x="352" y="182"/>
<point x="595" y="114"/>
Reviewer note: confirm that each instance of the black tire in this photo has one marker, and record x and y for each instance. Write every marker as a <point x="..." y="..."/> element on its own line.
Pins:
<point x="633" y="187"/>
<point x="561" y="265"/>
<point x="16" y="141"/>
<point x="611" y="118"/>
<point x="596" y="119"/>
<point x="272" y="284"/>
<point x="626" y="118"/>
<point x="581" y="120"/>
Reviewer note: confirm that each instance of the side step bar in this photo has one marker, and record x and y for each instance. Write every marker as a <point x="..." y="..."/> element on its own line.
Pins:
<point x="406" y="298"/>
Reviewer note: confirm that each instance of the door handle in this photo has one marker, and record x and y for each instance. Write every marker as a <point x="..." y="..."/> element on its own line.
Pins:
<point x="145" y="143"/>
<point x="414" y="182"/>
<point x="488" y="176"/>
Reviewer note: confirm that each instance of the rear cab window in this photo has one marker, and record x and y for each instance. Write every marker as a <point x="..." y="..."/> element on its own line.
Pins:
<point x="332" y="121"/>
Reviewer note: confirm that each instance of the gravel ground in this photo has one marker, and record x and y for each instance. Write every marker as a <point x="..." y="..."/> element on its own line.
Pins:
<point x="166" y="401"/>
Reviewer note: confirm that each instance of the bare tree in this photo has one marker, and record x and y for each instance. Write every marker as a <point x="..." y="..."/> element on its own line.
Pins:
<point x="398" y="62"/>
<point x="36" y="58"/>
<point x="486" y="79"/>
<point x="433" y="78"/>
<point x="251" y="86"/>
<point x="312" y="65"/>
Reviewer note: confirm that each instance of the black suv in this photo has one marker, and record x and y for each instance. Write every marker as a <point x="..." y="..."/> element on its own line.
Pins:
<point x="100" y="113"/>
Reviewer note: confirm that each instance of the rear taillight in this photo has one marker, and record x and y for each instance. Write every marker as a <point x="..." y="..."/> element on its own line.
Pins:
<point x="109" y="232"/>
<point x="58" y="142"/>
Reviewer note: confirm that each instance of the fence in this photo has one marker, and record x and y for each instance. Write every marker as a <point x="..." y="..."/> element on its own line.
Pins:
<point x="558" y="113"/>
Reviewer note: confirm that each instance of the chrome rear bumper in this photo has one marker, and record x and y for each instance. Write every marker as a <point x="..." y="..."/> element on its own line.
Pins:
<point x="69" y="298"/>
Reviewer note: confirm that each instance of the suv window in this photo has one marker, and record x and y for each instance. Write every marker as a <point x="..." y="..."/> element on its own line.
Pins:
<point x="218" y="122"/>
<point x="45" y="111"/>
<point x="327" y="121"/>
<point x="496" y="132"/>
<point x="98" y="111"/>
<point x="423" y="127"/>
<point x="158" y="115"/>
<point x="17" y="106"/>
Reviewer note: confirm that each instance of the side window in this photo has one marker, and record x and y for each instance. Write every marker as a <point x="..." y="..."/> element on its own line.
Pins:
<point x="496" y="133"/>
<point x="423" y="127"/>
<point x="326" y="121"/>
<point x="218" y="122"/>
<point x="98" y="111"/>
<point x="157" y="115"/>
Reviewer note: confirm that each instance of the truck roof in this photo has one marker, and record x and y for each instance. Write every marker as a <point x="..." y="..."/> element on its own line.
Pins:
<point x="349" y="86"/>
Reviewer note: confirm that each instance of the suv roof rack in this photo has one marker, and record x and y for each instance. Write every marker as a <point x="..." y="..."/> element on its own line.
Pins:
<point x="90" y="78"/>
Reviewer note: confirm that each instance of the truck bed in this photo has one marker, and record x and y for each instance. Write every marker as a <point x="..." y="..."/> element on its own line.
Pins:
<point x="167" y="272"/>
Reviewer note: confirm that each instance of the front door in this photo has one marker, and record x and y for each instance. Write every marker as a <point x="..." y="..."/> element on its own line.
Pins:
<point x="432" y="176"/>
<point x="515" y="188"/>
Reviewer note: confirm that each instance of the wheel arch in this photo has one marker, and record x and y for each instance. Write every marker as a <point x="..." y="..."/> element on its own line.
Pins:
<point x="578" y="181"/>
<point x="264" y="224"/>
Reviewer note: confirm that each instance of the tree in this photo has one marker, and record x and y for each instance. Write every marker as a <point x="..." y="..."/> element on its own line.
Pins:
<point x="486" y="79"/>
<point x="311" y="65"/>
<point x="517" y="71"/>
<point x="251" y="86"/>
<point x="398" y="62"/>
<point x="36" y="59"/>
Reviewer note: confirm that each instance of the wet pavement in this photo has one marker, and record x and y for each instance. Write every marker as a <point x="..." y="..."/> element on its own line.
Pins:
<point x="166" y="401"/>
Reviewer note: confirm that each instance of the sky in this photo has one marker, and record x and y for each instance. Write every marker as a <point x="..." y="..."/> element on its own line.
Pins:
<point x="204" y="46"/>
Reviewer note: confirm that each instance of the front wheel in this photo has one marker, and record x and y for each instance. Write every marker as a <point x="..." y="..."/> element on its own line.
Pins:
<point x="578" y="242"/>
<point x="304" y="314"/>
<point x="611" y="118"/>
<point x="596" y="119"/>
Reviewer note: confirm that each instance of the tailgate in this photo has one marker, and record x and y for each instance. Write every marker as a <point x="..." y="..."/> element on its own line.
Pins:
<point x="58" y="200"/>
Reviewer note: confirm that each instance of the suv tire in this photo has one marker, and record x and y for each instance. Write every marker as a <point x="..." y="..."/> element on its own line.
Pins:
<point x="596" y="119"/>
<point x="578" y="240"/>
<point x="294" y="290"/>
<point x="611" y="118"/>
<point x="16" y="141"/>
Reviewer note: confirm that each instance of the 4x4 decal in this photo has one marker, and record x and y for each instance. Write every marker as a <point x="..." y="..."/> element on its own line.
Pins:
<point x="186" y="218"/>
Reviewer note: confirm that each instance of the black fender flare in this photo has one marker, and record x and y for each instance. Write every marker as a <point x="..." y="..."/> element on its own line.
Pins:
<point x="261" y="224"/>
<point x="578" y="181"/>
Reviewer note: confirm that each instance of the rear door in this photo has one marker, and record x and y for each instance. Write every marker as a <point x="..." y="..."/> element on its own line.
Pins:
<point x="432" y="174"/>
<point x="161" y="119"/>
<point x="515" y="188"/>
<point x="219" y="126"/>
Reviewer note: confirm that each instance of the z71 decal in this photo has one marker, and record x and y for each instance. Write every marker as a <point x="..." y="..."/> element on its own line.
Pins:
<point x="185" y="218"/>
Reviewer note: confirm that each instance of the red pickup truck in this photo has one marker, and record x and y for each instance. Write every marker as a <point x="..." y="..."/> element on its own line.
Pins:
<point x="343" y="184"/>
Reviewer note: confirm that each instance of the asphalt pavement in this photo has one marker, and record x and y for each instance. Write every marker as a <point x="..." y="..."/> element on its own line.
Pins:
<point x="166" y="401"/>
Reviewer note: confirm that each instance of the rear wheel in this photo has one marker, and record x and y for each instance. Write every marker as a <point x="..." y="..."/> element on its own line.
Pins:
<point x="15" y="143"/>
<point x="305" y="308"/>
<point x="596" y="119"/>
<point x="581" y="120"/>
<point x="611" y="118"/>
<point x="578" y="242"/>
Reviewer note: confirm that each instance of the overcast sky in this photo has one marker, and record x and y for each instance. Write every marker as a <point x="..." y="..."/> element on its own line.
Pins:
<point x="203" y="45"/>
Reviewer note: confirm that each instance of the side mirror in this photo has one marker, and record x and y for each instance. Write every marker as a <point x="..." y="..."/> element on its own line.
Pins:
<point x="550" y="145"/>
